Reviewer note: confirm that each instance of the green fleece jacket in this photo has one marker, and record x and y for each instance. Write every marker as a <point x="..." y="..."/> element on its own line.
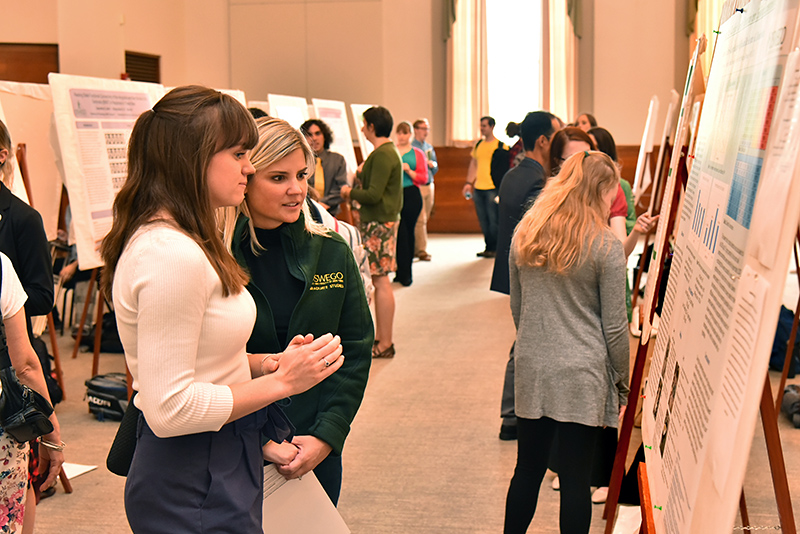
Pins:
<point x="333" y="301"/>
<point x="381" y="192"/>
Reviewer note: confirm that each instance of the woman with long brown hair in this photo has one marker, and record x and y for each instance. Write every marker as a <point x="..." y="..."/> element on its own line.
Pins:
<point x="184" y="318"/>
<point x="567" y="275"/>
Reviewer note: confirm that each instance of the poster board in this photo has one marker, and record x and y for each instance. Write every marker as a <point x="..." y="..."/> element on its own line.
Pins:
<point x="263" y="105"/>
<point x="28" y="114"/>
<point x="94" y="118"/>
<point x="358" y="121"/>
<point x="235" y="93"/>
<point x="334" y="114"/>
<point x="643" y="176"/>
<point x="292" y="109"/>
<point x="17" y="187"/>
<point x="667" y="137"/>
<point x="726" y="281"/>
<point x="688" y="117"/>
<point x="298" y="505"/>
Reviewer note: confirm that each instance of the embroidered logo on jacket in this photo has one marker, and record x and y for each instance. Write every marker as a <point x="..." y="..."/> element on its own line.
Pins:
<point x="327" y="281"/>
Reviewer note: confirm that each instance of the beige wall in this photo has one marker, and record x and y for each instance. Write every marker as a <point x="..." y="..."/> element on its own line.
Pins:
<point x="358" y="51"/>
<point x="31" y="21"/>
<point x="192" y="38"/>
<point x="90" y="37"/>
<point x="207" y="44"/>
<point x="637" y="54"/>
<point x="387" y="52"/>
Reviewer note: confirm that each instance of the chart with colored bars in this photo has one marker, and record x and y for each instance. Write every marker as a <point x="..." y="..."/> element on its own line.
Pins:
<point x="746" y="173"/>
<point x="704" y="225"/>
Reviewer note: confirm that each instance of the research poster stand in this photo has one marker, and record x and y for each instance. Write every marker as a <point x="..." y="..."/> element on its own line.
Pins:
<point x="757" y="288"/>
<point x="358" y="121"/>
<point x="292" y="109"/>
<point x="676" y="176"/>
<point x="643" y="175"/>
<point x="659" y="182"/>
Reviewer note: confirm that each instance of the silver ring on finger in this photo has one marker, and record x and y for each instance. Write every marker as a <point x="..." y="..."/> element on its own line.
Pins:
<point x="327" y="363"/>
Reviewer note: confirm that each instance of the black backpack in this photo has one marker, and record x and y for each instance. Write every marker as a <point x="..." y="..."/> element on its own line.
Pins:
<point x="53" y="389"/>
<point x="107" y="395"/>
<point x="500" y="164"/>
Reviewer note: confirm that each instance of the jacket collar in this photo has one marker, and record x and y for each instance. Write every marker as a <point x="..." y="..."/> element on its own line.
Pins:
<point x="293" y="235"/>
<point x="5" y="197"/>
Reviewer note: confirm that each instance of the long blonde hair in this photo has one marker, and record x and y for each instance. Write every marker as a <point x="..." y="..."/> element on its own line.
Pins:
<point x="276" y="140"/>
<point x="568" y="216"/>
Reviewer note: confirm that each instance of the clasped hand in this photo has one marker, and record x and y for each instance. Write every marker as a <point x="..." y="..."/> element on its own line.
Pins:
<point x="306" y="361"/>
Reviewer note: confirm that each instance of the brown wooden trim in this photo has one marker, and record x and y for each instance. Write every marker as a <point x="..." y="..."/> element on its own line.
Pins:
<point x="27" y="63"/>
<point x="453" y="214"/>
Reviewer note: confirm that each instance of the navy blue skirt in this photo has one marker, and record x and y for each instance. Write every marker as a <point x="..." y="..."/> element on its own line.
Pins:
<point x="206" y="482"/>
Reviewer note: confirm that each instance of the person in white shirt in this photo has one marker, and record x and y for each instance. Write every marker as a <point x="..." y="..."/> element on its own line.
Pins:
<point x="184" y="319"/>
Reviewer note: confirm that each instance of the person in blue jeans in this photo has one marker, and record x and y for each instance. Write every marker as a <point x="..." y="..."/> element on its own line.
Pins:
<point x="480" y="187"/>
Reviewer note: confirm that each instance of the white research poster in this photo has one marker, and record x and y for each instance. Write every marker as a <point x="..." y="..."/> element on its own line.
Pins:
<point x="94" y="118"/>
<point x="709" y="362"/>
<point x="292" y="109"/>
<point x="358" y="120"/>
<point x="334" y="114"/>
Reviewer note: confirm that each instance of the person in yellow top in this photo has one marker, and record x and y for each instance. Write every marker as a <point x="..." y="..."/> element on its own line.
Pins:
<point x="480" y="187"/>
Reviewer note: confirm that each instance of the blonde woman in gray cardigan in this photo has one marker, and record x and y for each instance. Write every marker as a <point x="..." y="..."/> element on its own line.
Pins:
<point x="567" y="274"/>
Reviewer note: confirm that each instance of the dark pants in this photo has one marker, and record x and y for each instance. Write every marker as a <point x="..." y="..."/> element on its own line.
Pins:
<point x="605" y="451"/>
<point x="197" y="483"/>
<point x="329" y="474"/>
<point x="576" y="449"/>
<point x="487" y="211"/>
<point x="412" y="205"/>
<point x="507" y="402"/>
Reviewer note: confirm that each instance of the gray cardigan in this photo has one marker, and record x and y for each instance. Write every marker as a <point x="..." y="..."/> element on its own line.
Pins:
<point x="572" y="351"/>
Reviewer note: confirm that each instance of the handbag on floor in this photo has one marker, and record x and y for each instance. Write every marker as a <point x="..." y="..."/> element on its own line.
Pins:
<point x="24" y="413"/>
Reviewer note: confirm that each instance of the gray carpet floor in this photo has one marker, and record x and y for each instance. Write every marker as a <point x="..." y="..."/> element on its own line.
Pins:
<point x="423" y="455"/>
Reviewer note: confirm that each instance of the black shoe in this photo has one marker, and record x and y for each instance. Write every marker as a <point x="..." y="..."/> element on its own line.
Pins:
<point x="481" y="254"/>
<point x="489" y="254"/>
<point x="508" y="432"/>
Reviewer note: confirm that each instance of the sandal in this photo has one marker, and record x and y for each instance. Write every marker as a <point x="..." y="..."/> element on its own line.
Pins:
<point x="388" y="353"/>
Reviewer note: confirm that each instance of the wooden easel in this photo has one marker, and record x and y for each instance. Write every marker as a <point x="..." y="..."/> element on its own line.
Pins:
<point x="618" y="471"/>
<point x="23" y="169"/>
<point x="767" y="409"/>
<point x="677" y="162"/>
<point x="98" y="325"/>
<point x="656" y="201"/>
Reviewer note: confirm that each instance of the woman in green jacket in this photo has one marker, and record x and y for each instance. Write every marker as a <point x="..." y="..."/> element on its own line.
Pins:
<point x="304" y="280"/>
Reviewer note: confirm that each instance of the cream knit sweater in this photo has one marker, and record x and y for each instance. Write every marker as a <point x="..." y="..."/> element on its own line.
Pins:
<point x="184" y="343"/>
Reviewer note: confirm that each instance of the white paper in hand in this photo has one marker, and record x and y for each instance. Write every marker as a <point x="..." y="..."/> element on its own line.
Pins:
<point x="299" y="506"/>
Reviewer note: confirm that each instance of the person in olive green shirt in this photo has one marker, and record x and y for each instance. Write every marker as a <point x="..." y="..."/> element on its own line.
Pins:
<point x="381" y="198"/>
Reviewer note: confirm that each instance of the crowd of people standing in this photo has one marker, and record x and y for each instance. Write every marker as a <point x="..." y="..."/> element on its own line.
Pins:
<point x="219" y="327"/>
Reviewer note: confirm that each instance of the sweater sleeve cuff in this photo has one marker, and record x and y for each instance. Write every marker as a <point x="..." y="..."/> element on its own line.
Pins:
<point x="331" y="429"/>
<point x="208" y="409"/>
